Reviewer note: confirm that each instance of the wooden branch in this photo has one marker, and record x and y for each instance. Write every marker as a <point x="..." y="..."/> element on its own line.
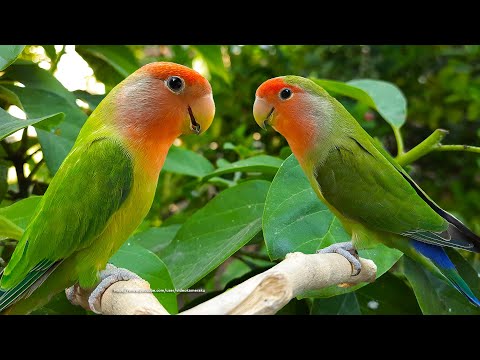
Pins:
<point x="263" y="294"/>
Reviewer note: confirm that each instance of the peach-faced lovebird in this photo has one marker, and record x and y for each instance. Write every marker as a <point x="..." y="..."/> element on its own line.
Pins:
<point x="106" y="184"/>
<point x="371" y="194"/>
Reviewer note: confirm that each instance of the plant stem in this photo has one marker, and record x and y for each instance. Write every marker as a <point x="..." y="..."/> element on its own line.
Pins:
<point x="468" y="148"/>
<point x="429" y="144"/>
<point x="6" y="147"/>
<point x="24" y="142"/>
<point x="399" y="140"/>
<point x="35" y="169"/>
<point x="57" y="60"/>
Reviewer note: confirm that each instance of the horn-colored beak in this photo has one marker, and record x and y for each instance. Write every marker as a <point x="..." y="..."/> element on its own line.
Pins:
<point x="262" y="112"/>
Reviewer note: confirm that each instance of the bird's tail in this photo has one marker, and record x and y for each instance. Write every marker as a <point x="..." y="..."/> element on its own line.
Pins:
<point x="441" y="260"/>
<point x="31" y="282"/>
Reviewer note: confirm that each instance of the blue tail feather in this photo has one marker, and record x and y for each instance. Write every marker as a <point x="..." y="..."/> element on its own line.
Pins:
<point x="440" y="258"/>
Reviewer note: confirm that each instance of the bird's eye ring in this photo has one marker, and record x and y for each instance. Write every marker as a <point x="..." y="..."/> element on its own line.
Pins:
<point x="175" y="84"/>
<point x="285" y="94"/>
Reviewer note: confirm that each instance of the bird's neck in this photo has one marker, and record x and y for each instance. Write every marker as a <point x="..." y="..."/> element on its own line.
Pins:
<point x="150" y="144"/>
<point x="303" y="136"/>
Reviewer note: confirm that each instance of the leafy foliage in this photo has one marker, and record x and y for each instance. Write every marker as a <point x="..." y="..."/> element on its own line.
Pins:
<point x="232" y="202"/>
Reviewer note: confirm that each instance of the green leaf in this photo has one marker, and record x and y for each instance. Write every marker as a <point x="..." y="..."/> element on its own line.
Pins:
<point x="59" y="305"/>
<point x="22" y="211"/>
<point x="263" y="163"/>
<point x="215" y="232"/>
<point x="8" y="54"/>
<point x="8" y="230"/>
<point x="382" y="96"/>
<point x="435" y="296"/>
<point x="387" y="296"/>
<point x="186" y="162"/>
<point x="212" y="55"/>
<point x="295" y="219"/>
<point x="341" y="88"/>
<point x="9" y="97"/>
<point x="110" y="63"/>
<point x="3" y="180"/>
<point x="30" y="75"/>
<point x="149" y="267"/>
<point x="156" y="238"/>
<point x="346" y="304"/>
<point x="42" y="95"/>
<point x="389" y="99"/>
<point x="9" y="124"/>
<point x="91" y="99"/>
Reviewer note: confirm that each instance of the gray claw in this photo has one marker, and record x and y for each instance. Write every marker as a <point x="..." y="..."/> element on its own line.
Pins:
<point x="347" y="250"/>
<point x="109" y="276"/>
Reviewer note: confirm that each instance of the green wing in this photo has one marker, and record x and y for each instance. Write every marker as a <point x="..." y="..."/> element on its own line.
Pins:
<point x="90" y="186"/>
<point x="366" y="186"/>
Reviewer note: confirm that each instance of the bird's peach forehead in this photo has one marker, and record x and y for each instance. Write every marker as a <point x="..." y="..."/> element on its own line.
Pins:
<point x="273" y="86"/>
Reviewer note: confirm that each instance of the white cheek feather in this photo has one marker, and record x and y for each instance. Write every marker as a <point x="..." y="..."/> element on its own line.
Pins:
<point x="139" y="96"/>
<point x="142" y="101"/>
<point x="317" y="117"/>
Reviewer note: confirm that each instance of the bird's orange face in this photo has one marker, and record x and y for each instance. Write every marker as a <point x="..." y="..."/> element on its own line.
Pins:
<point x="163" y="100"/>
<point x="157" y="104"/>
<point x="186" y="93"/>
<point x="285" y="107"/>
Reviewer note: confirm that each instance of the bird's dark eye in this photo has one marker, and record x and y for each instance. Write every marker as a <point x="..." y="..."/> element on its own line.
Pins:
<point x="175" y="84"/>
<point x="285" y="94"/>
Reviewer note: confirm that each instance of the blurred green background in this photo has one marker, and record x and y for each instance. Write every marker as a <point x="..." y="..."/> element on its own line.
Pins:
<point x="441" y="85"/>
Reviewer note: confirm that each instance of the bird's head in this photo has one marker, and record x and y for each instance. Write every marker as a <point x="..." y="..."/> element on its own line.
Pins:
<point x="165" y="98"/>
<point x="295" y="107"/>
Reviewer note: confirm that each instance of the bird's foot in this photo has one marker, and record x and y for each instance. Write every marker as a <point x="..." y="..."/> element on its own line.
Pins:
<point x="347" y="250"/>
<point x="109" y="276"/>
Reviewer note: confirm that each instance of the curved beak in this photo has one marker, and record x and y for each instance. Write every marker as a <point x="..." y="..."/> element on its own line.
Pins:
<point x="201" y="113"/>
<point x="262" y="112"/>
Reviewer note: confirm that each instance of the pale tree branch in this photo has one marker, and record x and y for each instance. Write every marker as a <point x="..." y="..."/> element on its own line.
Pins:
<point x="263" y="294"/>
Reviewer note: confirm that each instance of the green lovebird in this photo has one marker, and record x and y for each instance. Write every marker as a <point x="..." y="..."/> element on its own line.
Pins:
<point x="371" y="194"/>
<point x="106" y="184"/>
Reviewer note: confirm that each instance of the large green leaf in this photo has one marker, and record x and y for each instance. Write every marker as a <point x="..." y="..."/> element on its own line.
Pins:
<point x="341" y="88"/>
<point x="149" y="267"/>
<point x="4" y="165"/>
<point x="263" y="163"/>
<point x="9" y="124"/>
<point x="21" y="212"/>
<point x="215" y="232"/>
<point x="186" y="162"/>
<point x="110" y="63"/>
<point x="346" y="304"/>
<point x="14" y="218"/>
<point x="156" y="238"/>
<point x="91" y="99"/>
<point x="387" y="296"/>
<point x="389" y="99"/>
<point x="8" y="54"/>
<point x="32" y="76"/>
<point x="59" y="305"/>
<point x="42" y="95"/>
<point x="436" y="296"/>
<point x="8" y="230"/>
<point x="8" y="98"/>
<point x="212" y="55"/>
<point x="382" y="96"/>
<point x="295" y="219"/>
